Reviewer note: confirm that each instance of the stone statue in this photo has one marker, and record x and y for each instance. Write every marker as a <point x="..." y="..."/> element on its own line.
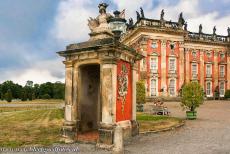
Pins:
<point x="200" y="29"/>
<point x="186" y="26"/>
<point x="100" y="23"/>
<point x="228" y="31"/>
<point x="131" y="22"/>
<point x="181" y="20"/>
<point x="138" y="16"/>
<point x="122" y="14"/>
<point x="214" y="30"/>
<point x="162" y="14"/>
<point x="142" y="13"/>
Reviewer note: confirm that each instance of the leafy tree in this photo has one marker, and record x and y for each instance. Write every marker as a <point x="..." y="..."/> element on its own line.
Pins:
<point x="58" y="90"/>
<point x="8" y="96"/>
<point x="45" y="96"/>
<point x="227" y="94"/>
<point x="46" y="88"/>
<point x="23" y="95"/>
<point x="192" y="96"/>
<point x="140" y="92"/>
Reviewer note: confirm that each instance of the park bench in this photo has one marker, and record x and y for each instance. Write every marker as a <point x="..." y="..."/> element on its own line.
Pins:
<point x="159" y="109"/>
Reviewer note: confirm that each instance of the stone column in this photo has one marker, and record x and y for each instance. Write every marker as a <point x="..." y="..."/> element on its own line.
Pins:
<point x="228" y="70"/>
<point x="215" y="73"/>
<point x="187" y="63"/>
<point x="163" y="66"/>
<point x="134" y="80"/>
<point x="202" y="73"/>
<point x="181" y="64"/>
<point x="108" y="91"/>
<point x="69" y="126"/>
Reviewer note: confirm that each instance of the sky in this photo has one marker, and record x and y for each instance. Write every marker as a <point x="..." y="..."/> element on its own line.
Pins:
<point x="32" y="31"/>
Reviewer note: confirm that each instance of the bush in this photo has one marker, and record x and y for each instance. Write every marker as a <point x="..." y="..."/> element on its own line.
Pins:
<point x="192" y="96"/>
<point x="227" y="94"/>
<point x="140" y="92"/>
<point x="46" y="96"/>
<point x="8" y="95"/>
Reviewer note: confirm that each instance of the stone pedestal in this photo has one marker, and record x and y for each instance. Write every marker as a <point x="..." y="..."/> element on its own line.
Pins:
<point x="69" y="131"/>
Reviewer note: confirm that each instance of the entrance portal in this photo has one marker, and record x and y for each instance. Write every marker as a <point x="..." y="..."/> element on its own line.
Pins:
<point x="89" y="98"/>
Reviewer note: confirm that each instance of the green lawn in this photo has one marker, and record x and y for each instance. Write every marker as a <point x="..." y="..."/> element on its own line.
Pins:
<point x="36" y="101"/>
<point x="156" y="122"/>
<point x="34" y="127"/>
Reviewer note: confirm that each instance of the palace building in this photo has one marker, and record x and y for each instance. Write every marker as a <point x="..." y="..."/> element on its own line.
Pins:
<point x="174" y="56"/>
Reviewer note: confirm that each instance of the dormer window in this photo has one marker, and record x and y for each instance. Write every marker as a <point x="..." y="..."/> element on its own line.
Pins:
<point x="194" y="54"/>
<point x="154" y="45"/>
<point x="222" y="56"/>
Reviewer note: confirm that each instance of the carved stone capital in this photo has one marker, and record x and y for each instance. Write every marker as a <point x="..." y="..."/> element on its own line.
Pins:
<point x="68" y="64"/>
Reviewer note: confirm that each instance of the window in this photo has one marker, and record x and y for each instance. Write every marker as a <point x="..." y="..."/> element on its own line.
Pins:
<point x="194" y="69"/>
<point x="208" y="70"/>
<point x="222" y="89"/>
<point x="222" y="56"/>
<point x="208" y="89"/>
<point x="194" y="54"/>
<point x="154" y="45"/>
<point x="153" y="64"/>
<point x="172" y="64"/>
<point x="153" y="87"/>
<point x="208" y="55"/>
<point x="172" y="87"/>
<point x="222" y="72"/>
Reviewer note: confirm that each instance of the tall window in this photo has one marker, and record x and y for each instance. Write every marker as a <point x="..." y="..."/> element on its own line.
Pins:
<point x="172" y="64"/>
<point x="153" y="64"/>
<point x="208" y="88"/>
<point x="222" y="89"/>
<point x="208" y="70"/>
<point x="194" y="69"/>
<point x="172" y="87"/>
<point x="222" y="72"/>
<point x="153" y="87"/>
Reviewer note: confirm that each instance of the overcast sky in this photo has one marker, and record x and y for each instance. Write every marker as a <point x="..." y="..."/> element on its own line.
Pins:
<point x="32" y="31"/>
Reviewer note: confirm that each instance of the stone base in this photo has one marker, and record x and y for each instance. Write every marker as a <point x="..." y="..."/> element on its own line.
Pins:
<point x="68" y="132"/>
<point x="135" y="127"/>
<point x="106" y="134"/>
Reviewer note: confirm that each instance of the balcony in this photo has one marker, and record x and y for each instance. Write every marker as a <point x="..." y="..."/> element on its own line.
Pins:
<point x="194" y="76"/>
<point x="154" y="71"/>
<point x="172" y="72"/>
<point x="208" y="75"/>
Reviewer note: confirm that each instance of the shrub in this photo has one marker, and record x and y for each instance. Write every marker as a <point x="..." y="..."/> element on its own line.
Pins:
<point x="140" y="92"/>
<point x="227" y="94"/>
<point x="46" y="96"/>
<point x="192" y="96"/>
<point x="8" y="95"/>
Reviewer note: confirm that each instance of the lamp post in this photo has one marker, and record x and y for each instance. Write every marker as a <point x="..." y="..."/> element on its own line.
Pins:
<point x="117" y="25"/>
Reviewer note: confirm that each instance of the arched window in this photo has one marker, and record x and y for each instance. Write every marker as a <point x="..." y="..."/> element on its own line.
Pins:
<point x="222" y="89"/>
<point x="172" y="87"/>
<point x="153" y="87"/>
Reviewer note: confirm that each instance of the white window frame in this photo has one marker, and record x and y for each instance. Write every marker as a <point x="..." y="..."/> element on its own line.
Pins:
<point x="153" y="88"/>
<point x="172" y="67"/>
<point x="222" y="89"/>
<point x="154" y="64"/>
<point x="208" y="72"/>
<point x="222" y="71"/>
<point x="172" y="88"/>
<point x="208" y="91"/>
<point x="196" y="70"/>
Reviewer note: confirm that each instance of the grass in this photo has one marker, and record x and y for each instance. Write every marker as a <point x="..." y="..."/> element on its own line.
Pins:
<point x="36" y="101"/>
<point x="156" y="122"/>
<point x="34" y="127"/>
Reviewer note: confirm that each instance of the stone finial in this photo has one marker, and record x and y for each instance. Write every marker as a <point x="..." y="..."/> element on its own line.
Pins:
<point x="138" y="15"/>
<point x="102" y="7"/>
<point x="181" y="20"/>
<point x="214" y="30"/>
<point x="162" y="14"/>
<point x="142" y="13"/>
<point x="200" y="28"/>
<point x="186" y="26"/>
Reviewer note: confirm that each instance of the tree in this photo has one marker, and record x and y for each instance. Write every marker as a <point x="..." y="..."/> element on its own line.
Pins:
<point x="58" y="90"/>
<point x="46" y="88"/>
<point x="140" y="92"/>
<point x="8" y="96"/>
<point x="192" y="96"/>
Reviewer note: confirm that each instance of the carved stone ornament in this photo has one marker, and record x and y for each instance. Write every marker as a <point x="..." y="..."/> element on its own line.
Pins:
<point x="123" y="86"/>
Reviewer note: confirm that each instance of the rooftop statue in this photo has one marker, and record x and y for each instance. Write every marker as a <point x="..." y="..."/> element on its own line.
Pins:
<point x="186" y="26"/>
<point x="214" y="30"/>
<point x="142" y="13"/>
<point x="200" y="29"/>
<point x="228" y="31"/>
<point x="100" y="23"/>
<point x="162" y="14"/>
<point x="138" y="15"/>
<point x="181" y="20"/>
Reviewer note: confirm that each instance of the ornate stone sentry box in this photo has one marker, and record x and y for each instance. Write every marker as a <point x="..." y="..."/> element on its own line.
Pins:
<point x="100" y="92"/>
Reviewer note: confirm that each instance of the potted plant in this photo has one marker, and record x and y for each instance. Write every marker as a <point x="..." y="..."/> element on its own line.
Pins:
<point x="192" y="98"/>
